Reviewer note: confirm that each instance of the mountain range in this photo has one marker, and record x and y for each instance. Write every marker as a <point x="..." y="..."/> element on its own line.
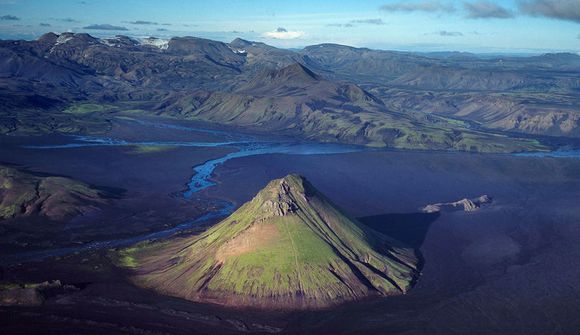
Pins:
<point x="324" y="92"/>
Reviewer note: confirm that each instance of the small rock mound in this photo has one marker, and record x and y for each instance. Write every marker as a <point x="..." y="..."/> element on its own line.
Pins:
<point x="31" y="294"/>
<point x="467" y="205"/>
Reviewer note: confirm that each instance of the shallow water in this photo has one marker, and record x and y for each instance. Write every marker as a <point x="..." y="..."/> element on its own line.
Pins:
<point x="246" y="146"/>
<point x="554" y="154"/>
<point x="89" y="141"/>
<point x="202" y="176"/>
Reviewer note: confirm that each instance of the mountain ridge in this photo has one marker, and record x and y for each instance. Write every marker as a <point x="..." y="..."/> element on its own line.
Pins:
<point x="327" y="93"/>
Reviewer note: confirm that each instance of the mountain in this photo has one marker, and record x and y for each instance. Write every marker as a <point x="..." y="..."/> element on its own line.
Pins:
<point x="295" y="101"/>
<point x="260" y="56"/>
<point x="23" y="193"/>
<point x="287" y="248"/>
<point x="325" y="92"/>
<point x="361" y="64"/>
<point x="486" y="78"/>
<point x="294" y="75"/>
<point x="552" y="114"/>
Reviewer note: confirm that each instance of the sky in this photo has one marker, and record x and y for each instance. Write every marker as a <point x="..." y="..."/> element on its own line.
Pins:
<point x="482" y="26"/>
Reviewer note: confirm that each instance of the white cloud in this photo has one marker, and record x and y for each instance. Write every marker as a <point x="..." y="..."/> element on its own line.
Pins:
<point x="284" y="34"/>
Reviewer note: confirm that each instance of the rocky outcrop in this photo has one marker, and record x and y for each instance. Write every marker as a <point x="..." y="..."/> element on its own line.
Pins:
<point x="32" y="294"/>
<point x="467" y="205"/>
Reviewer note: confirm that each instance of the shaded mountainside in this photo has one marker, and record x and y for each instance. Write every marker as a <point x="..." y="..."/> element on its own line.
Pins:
<point x="287" y="248"/>
<point x="319" y="93"/>
<point x="23" y="193"/>
<point x="296" y="101"/>
<point x="533" y="113"/>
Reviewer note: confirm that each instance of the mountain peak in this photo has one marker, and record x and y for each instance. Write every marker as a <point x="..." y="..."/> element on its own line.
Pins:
<point x="287" y="248"/>
<point x="295" y="71"/>
<point x="49" y="37"/>
<point x="279" y="195"/>
<point x="293" y="75"/>
<point x="240" y="43"/>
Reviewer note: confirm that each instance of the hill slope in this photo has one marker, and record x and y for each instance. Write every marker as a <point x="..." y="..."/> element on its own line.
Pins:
<point x="24" y="193"/>
<point x="288" y="248"/>
<point x="295" y="101"/>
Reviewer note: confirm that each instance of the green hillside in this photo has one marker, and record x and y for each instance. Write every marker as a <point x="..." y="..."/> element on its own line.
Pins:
<point x="289" y="247"/>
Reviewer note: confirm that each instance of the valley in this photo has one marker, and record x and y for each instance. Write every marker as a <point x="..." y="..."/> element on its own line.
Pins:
<point x="188" y="185"/>
<point x="460" y="269"/>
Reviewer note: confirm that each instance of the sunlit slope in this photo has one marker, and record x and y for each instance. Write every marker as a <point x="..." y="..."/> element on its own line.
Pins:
<point x="289" y="247"/>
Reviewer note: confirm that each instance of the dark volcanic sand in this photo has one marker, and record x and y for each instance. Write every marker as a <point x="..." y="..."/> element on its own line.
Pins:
<point x="150" y="184"/>
<point x="510" y="268"/>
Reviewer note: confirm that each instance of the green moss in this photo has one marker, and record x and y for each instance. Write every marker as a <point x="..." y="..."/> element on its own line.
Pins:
<point x="147" y="149"/>
<point x="127" y="260"/>
<point x="86" y="108"/>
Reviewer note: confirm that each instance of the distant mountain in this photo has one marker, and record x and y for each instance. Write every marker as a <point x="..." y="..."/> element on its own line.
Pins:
<point x="294" y="75"/>
<point x="325" y="92"/>
<point x="485" y="79"/>
<point x="362" y="64"/>
<point x="532" y="113"/>
<point x="446" y="70"/>
<point x="296" y="101"/>
<point x="288" y="248"/>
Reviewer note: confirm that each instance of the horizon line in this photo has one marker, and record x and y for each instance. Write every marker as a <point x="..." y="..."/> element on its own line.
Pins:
<point x="514" y="52"/>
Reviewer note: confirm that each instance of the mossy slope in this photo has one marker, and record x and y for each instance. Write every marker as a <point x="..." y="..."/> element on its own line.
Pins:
<point x="287" y="248"/>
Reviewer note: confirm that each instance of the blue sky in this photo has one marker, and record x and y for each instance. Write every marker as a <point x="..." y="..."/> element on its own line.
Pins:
<point x="473" y="25"/>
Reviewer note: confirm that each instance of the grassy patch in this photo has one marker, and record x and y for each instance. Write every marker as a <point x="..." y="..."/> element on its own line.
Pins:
<point x="87" y="108"/>
<point x="150" y="149"/>
<point x="135" y="112"/>
<point x="126" y="259"/>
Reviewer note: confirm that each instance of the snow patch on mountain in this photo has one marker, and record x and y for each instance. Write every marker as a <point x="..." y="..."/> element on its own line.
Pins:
<point x="156" y="42"/>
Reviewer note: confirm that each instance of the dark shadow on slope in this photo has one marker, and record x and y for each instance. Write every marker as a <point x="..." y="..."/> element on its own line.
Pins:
<point x="409" y="228"/>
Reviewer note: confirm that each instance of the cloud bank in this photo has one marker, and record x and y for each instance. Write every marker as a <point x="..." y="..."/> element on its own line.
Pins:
<point x="354" y="23"/>
<point x="418" y="6"/>
<point x="484" y="9"/>
<point x="105" y="27"/>
<point x="446" y="33"/>
<point x="9" y="18"/>
<point x="283" y="34"/>
<point x="378" y="22"/>
<point x="568" y="10"/>
<point x="144" y="23"/>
